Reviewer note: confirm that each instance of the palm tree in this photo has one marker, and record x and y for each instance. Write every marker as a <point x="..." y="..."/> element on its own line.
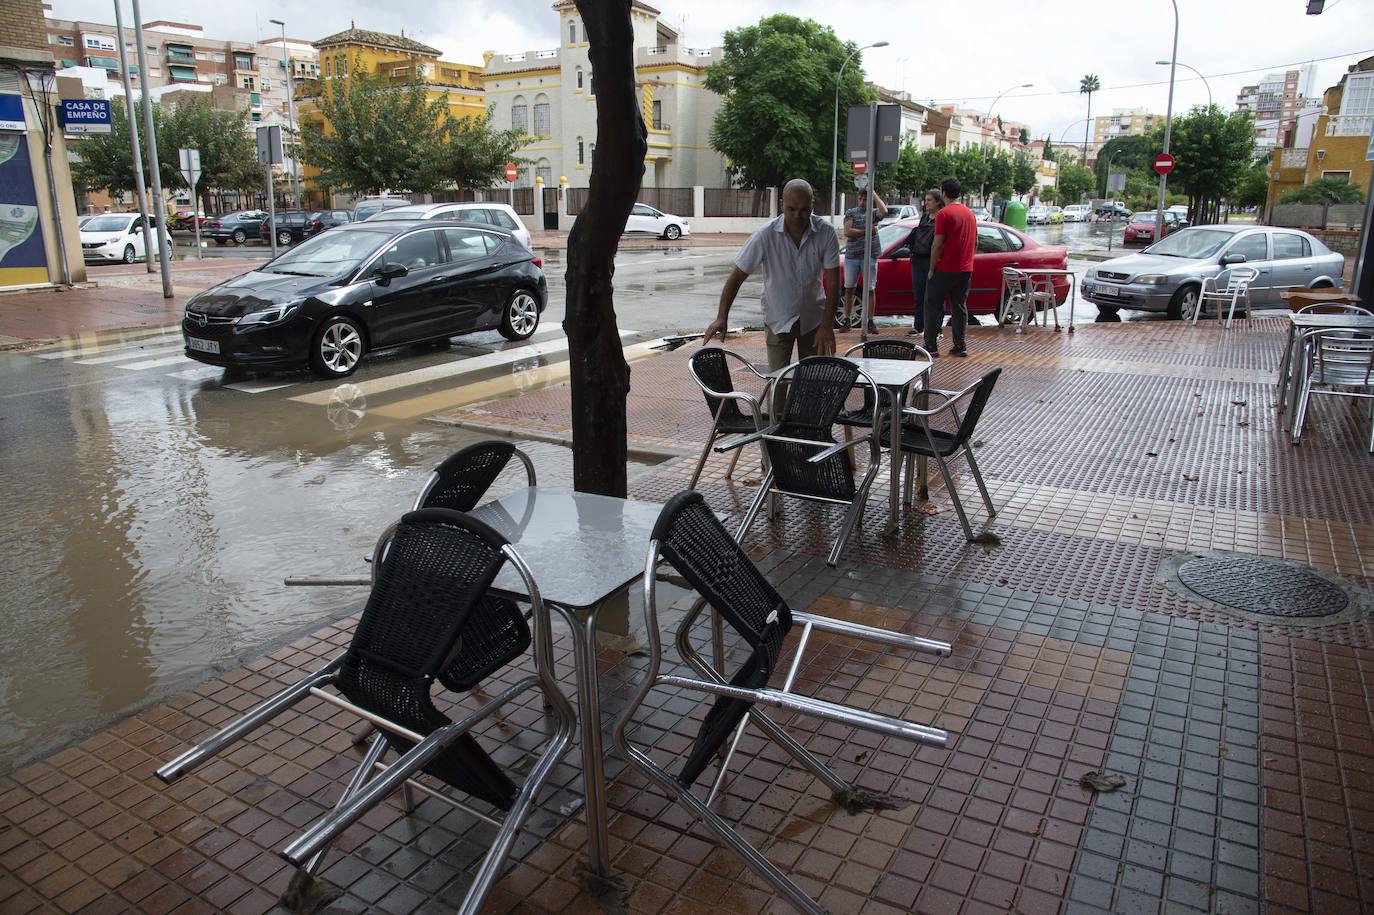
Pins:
<point x="1088" y="85"/>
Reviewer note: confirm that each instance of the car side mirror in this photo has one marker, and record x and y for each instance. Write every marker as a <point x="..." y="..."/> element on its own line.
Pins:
<point x="388" y="272"/>
<point x="1230" y="259"/>
<point x="899" y="254"/>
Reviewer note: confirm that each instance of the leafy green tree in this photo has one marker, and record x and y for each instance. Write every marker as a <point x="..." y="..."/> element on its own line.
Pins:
<point x="1253" y="186"/>
<point x="970" y="166"/>
<point x="1049" y="153"/>
<point x="999" y="179"/>
<point x="228" y="152"/>
<point x="1213" y="149"/>
<point x="1075" y="183"/>
<point x="1025" y="136"/>
<point x="778" y="82"/>
<point x="1087" y="86"/>
<point x="106" y="162"/>
<point x="1133" y="155"/>
<point x="1329" y="191"/>
<point x="476" y="154"/>
<point x="1022" y="174"/>
<point x="374" y="135"/>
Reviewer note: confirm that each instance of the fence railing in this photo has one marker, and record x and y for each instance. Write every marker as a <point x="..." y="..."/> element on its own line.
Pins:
<point x="524" y="197"/>
<point x="674" y="200"/>
<point x="1295" y="157"/>
<point x="1317" y="216"/>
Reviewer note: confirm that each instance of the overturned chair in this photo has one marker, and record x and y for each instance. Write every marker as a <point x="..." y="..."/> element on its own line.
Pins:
<point x="694" y="542"/>
<point x="427" y="618"/>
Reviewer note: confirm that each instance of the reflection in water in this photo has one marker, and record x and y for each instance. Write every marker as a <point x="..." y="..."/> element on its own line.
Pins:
<point x="149" y="527"/>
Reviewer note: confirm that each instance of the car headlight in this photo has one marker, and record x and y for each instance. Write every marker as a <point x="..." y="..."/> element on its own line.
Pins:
<point x="1091" y="274"/>
<point x="273" y="314"/>
<point x="1152" y="279"/>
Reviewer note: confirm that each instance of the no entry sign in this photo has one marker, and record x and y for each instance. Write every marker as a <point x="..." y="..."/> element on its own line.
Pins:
<point x="511" y="171"/>
<point x="860" y="167"/>
<point x="1164" y="163"/>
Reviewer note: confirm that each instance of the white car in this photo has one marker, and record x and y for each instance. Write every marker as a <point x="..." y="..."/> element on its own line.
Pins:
<point x="1078" y="212"/>
<point x="1037" y="216"/>
<point x="645" y="220"/>
<point x="495" y="214"/>
<point x="114" y="237"/>
<point x="901" y="211"/>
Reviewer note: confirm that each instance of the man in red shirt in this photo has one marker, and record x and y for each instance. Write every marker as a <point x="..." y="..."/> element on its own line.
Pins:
<point x="951" y="268"/>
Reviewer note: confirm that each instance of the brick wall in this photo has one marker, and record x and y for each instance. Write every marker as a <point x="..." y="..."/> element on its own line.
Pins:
<point x="22" y="25"/>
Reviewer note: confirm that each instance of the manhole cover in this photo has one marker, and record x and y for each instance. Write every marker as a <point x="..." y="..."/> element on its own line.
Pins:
<point x="1262" y="587"/>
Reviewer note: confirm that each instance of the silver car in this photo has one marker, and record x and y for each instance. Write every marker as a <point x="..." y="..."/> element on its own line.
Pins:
<point x="1168" y="275"/>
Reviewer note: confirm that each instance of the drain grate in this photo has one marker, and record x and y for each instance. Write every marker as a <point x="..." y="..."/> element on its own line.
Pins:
<point x="1262" y="587"/>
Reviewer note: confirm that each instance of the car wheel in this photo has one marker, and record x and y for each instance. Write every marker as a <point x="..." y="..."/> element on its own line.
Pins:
<point x="337" y="348"/>
<point x="1184" y="304"/>
<point x="240" y="236"/>
<point x="220" y="242"/>
<point x="520" y="317"/>
<point x="672" y="233"/>
<point x="129" y="255"/>
<point x="284" y="238"/>
<point x="1323" y="284"/>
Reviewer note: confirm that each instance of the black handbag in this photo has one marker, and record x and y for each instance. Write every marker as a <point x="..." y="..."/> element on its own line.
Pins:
<point x="921" y="238"/>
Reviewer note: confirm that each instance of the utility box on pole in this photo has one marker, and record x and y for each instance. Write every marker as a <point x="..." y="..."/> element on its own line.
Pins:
<point x="269" y="154"/>
<point x="858" y="134"/>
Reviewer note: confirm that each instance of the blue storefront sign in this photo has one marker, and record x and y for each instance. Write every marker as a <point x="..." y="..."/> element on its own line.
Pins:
<point x="11" y="112"/>
<point x="23" y="259"/>
<point x="86" y="116"/>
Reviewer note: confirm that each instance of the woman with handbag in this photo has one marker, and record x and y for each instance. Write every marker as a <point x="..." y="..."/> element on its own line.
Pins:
<point x="918" y="243"/>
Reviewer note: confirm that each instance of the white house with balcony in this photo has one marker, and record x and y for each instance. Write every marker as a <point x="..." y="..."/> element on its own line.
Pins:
<point x="551" y="96"/>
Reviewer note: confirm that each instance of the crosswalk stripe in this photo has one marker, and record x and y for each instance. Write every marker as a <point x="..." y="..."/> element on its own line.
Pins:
<point x="259" y="386"/>
<point x="447" y="370"/>
<point x="142" y="353"/>
<point x="153" y="363"/>
<point x="200" y="373"/>
<point x="83" y="350"/>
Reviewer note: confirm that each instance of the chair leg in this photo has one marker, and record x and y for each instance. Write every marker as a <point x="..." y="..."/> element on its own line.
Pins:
<point x="734" y="459"/>
<point x="705" y="453"/>
<point x="851" y="517"/>
<point x="908" y="482"/>
<point x="954" y="496"/>
<point x="764" y="489"/>
<point x="978" y="478"/>
<point x="360" y="777"/>
<point x="1300" y="412"/>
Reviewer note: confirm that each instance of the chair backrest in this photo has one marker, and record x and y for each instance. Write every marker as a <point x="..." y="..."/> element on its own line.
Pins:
<point x="1017" y="282"/>
<point x="692" y="540"/>
<point x="886" y="349"/>
<point x="1238" y="278"/>
<point x="1342" y="357"/>
<point x="711" y="372"/>
<point x="982" y="390"/>
<point x="816" y="389"/>
<point x="465" y="476"/>
<point x="1335" y="308"/>
<point x="434" y="577"/>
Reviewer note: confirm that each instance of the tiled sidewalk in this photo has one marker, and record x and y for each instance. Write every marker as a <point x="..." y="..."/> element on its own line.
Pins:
<point x="1246" y="746"/>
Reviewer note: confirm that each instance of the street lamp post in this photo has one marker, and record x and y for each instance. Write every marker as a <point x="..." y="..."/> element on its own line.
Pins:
<point x="1165" y="63"/>
<point x="983" y="191"/>
<point x="835" y="144"/>
<point x="1168" y="128"/>
<point x="290" y="113"/>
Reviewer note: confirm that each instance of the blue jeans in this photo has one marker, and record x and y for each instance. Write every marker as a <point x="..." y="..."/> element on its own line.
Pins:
<point x="920" y="268"/>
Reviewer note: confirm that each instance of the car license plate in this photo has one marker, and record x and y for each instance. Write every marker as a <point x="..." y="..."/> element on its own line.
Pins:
<point x="1105" y="290"/>
<point x="204" y="346"/>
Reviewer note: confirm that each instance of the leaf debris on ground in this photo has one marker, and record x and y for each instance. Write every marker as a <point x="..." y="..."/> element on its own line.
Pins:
<point x="1101" y="783"/>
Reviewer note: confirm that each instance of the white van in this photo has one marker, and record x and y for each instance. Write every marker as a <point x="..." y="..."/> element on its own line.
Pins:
<point x="112" y="237"/>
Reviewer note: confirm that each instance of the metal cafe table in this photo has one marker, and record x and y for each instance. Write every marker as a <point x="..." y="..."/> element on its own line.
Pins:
<point x="1300" y="324"/>
<point x="896" y="377"/>
<point x="1033" y="273"/>
<point x="583" y="550"/>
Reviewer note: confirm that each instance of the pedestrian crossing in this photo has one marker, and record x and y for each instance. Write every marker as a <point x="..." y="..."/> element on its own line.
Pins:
<point x="536" y="363"/>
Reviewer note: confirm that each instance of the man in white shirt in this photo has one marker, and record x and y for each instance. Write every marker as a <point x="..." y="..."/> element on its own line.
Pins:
<point x="794" y="249"/>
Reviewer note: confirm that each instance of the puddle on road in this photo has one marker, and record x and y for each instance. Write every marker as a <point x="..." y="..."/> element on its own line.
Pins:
<point x="149" y="528"/>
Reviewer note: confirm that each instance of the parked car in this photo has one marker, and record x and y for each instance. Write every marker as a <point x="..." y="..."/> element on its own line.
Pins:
<point x="487" y="213"/>
<point x="82" y="220"/>
<point x="998" y="246"/>
<point x="363" y="287"/>
<point x="981" y="214"/>
<point x="237" y="227"/>
<point x="1168" y="275"/>
<point x="902" y="211"/>
<point x="371" y="206"/>
<point x="1108" y="209"/>
<point x="1038" y="216"/>
<point x="185" y="219"/>
<point x="287" y="225"/>
<point x="1180" y="211"/>
<point x="1056" y="215"/>
<point x="645" y="220"/>
<point x="1078" y="212"/>
<point x="320" y="220"/>
<point x="112" y="237"/>
<point x="1140" y="230"/>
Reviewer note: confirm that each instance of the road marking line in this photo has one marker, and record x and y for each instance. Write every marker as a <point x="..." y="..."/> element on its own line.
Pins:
<point x="447" y="370"/>
<point x="78" y="349"/>
<point x="258" y="387"/>
<point x="132" y="354"/>
<point x="153" y="363"/>
<point x="201" y="373"/>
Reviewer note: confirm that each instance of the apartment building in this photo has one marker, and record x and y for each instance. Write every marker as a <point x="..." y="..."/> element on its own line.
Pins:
<point x="550" y="95"/>
<point x="1276" y="102"/>
<point x="919" y="122"/>
<point x="970" y="127"/>
<point x="180" y="54"/>
<point x="1338" y="140"/>
<point x="1123" y="122"/>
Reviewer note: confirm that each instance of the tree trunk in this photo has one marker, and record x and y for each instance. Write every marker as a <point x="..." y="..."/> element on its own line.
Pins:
<point x="600" y="375"/>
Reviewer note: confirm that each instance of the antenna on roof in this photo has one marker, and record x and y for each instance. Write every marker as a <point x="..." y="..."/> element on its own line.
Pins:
<point x="352" y="24"/>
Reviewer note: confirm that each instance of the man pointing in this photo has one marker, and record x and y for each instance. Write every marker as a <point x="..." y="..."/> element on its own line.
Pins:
<point x="795" y="250"/>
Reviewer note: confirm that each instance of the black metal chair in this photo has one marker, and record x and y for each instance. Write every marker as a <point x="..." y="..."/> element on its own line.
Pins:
<point x="694" y="542"/>
<point x="465" y="476"/>
<point x="803" y="459"/>
<point x="921" y="439"/>
<point x="711" y="371"/>
<point x="426" y="612"/>
<point x="862" y="417"/>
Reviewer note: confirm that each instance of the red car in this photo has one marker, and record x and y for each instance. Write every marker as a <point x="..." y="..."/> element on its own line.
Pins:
<point x="998" y="246"/>
<point x="1141" y="229"/>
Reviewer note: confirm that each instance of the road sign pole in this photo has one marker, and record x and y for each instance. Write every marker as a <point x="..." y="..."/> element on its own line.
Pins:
<point x="195" y="213"/>
<point x="867" y="280"/>
<point x="272" y="212"/>
<point x="164" y="253"/>
<point x="137" y="152"/>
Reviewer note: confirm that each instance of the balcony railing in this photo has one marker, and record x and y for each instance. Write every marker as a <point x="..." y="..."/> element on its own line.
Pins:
<point x="1350" y="125"/>
<point x="1294" y="158"/>
<point x="181" y="58"/>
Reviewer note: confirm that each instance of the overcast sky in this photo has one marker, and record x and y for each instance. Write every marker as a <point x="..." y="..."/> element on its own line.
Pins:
<point x="990" y="44"/>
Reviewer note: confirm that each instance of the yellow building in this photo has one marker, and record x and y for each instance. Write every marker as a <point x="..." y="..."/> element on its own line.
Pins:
<point x="397" y="59"/>
<point x="1338" y="141"/>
